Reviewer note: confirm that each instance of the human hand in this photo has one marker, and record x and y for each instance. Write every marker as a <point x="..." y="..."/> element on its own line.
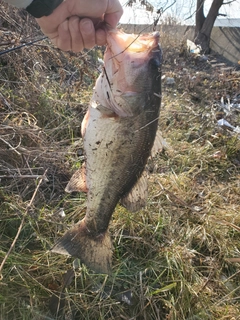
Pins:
<point x="73" y="25"/>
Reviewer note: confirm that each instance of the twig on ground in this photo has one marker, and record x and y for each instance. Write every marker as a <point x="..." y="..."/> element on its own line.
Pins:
<point x="22" y="223"/>
<point x="11" y="147"/>
<point x="25" y="176"/>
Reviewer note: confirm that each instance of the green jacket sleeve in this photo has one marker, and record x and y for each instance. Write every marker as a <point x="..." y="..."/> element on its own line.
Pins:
<point x="37" y="8"/>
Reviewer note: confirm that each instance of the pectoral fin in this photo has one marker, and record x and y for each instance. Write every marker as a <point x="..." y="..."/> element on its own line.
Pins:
<point x="136" y="199"/>
<point x="78" y="181"/>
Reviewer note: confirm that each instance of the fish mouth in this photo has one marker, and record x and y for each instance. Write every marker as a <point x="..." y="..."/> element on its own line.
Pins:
<point x="121" y="45"/>
<point x="119" y="42"/>
<point x="131" y="50"/>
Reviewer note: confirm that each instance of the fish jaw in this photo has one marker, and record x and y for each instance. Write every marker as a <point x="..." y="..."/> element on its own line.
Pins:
<point x="127" y="57"/>
<point x="128" y="61"/>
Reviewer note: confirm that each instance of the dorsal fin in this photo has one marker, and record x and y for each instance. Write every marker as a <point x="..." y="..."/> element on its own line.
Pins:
<point x="78" y="181"/>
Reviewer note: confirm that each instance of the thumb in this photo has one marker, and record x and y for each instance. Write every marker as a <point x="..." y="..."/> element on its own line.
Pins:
<point x="113" y="13"/>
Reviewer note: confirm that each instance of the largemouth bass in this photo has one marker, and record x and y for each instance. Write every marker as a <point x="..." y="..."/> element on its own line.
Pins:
<point x="119" y="131"/>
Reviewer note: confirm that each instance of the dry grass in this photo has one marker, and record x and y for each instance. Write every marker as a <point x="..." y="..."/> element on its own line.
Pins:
<point x="176" y="259"/>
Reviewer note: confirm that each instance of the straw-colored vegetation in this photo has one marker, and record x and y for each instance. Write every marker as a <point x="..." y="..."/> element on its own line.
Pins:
<point x="178" y="258"/>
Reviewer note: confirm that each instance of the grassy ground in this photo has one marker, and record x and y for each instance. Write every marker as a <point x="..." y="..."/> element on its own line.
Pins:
<point x="176" y="259"/>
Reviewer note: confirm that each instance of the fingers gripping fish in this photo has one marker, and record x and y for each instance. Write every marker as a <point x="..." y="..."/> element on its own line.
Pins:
<point x="119" y="131"/>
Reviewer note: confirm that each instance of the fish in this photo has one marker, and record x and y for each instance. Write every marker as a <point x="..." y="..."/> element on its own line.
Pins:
<point x="118" y="130"/>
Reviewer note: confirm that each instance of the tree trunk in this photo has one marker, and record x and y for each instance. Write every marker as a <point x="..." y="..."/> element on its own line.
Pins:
<point x="204" y="25"/>
<point x="199" y="18"/>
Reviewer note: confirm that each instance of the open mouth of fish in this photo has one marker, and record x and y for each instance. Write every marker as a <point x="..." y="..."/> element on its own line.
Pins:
<point x="119" y="132"/>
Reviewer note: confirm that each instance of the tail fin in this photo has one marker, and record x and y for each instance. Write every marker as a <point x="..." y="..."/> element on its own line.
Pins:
<point x="94" y="252"/>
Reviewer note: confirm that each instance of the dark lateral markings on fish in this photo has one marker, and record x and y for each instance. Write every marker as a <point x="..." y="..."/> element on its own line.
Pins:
<point x="125" y="116"/>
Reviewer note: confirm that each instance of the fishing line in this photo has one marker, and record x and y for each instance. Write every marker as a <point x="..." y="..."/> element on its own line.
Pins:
<point x="129" y="44"/>
<point x="156" y="119"/>
<point x="38" y="40"/>
<point x="22" y="45"/>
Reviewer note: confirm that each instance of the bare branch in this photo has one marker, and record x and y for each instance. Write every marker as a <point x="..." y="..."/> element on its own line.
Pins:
<point x="170" y="5"/>
<point x="229" y="2"/>
<point x="11" y="147"/>
<point x="25" y="176"/>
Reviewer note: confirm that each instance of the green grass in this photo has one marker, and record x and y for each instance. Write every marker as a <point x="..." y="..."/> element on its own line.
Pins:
<point x="178" y="258"/>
